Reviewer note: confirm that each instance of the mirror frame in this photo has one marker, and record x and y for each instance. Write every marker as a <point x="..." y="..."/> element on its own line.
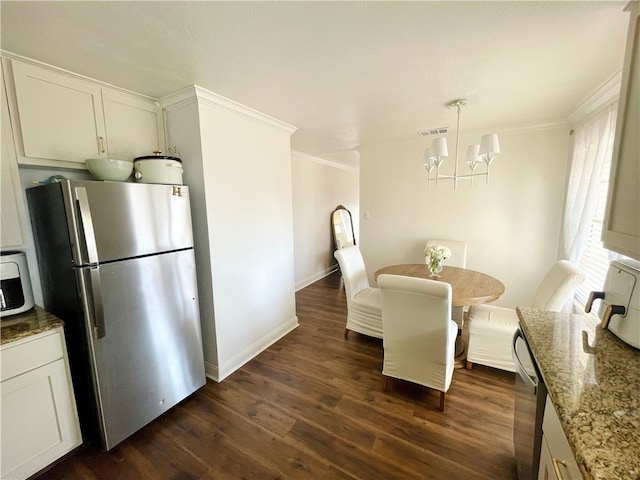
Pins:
<point x="333" y="228"/>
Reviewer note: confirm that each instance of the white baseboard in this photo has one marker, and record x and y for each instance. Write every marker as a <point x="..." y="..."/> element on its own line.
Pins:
<point x="219" y="373"/>
<point x="211" y="371"/>
<point x="314" y="278"/>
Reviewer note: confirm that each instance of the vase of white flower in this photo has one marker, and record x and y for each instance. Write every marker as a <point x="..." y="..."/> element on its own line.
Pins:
<point x="434" y="255"/>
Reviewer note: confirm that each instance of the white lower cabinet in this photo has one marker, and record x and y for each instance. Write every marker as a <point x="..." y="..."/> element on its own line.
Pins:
<point x="38" y="410"/>
<point x="557" y="461"/>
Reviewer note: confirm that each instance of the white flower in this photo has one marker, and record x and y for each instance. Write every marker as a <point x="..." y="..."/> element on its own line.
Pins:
<point x="437" y="252"/>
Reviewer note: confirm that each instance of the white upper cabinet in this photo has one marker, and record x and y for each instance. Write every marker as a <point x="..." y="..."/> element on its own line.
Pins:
<point x="11" y="214"/>
<point x="134" y="125"/>
<point x="621" y="229"/>
<point x="62" y="119"/>
<point x="60" y="116"/>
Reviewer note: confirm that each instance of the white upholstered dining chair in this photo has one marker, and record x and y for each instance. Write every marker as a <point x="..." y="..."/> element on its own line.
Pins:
<point x="364" y="314"/>
<point x="491" y="328"/>
<point x="419" y="335"/>
<point x="458" y="259"/>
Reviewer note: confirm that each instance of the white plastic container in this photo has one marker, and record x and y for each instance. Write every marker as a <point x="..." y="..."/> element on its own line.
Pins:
<point x="158" y="169"/>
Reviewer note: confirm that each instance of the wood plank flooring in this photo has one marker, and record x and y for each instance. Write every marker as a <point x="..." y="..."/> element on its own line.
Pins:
<point x="312" y="407"/>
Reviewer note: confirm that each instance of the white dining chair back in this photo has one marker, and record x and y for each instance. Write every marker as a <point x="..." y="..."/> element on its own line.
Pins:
<point x="458" y="259"/>
<point x="458" y="249"/>
<point x="364" y="314"/>
<point x="557" y="287"/>
<point x="419" y="336"/>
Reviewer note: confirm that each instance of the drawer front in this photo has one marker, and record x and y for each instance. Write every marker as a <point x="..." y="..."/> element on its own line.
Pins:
<point x="26" y="355"/>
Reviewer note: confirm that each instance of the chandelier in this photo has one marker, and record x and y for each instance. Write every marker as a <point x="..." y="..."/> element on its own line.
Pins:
<point x="484" y="152"/>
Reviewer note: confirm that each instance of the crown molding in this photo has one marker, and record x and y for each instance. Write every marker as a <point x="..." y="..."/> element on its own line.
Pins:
<point x="518" y="129"/>
<point x="533" y="127"/>
<point x="202" y="96"/>
<point x="179" y="98"/>
<point x="322" y="161"/>
<point x="607" y="93"/>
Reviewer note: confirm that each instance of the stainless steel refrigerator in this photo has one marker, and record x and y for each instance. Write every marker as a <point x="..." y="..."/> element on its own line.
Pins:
<point x="117" y="265"/>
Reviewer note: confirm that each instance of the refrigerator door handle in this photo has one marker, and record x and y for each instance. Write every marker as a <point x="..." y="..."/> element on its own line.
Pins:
<point x="98" y="305"/>
<point x="87" y="224"/>
<point x="94" y="268"/>
<point x="93" y="304"/>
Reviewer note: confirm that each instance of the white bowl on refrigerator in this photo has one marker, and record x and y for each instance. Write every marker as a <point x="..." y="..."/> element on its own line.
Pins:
<point x="110" y="169"/>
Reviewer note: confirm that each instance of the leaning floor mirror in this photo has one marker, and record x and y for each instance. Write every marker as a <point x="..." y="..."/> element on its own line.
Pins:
<point x="342" y="227"/>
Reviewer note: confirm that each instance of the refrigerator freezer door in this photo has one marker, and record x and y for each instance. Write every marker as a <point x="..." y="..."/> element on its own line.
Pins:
<point x="117" y="220"/>
<point x="150" y="357"/>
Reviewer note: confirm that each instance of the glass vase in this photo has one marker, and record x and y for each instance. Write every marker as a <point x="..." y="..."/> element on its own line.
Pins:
<point x="435" y="267"/>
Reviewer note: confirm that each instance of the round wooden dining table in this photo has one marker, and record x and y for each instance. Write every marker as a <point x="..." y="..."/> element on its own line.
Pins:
<point x="468" y="287"/>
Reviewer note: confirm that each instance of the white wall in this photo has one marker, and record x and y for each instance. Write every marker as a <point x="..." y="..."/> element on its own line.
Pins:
<point x="319" y="186"/>
<point x="238" y="165"/>
<point x="511" y="226"/>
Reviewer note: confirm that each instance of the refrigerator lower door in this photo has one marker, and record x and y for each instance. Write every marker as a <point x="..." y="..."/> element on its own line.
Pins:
<point x="149" y="355"/>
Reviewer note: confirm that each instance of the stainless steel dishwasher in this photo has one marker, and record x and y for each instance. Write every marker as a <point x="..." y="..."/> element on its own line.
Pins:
<point x="530" y="397"/>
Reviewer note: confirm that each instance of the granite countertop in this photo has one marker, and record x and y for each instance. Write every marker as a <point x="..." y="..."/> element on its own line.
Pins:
<point x="593" y="379"/>
<point x="29" y="323"/>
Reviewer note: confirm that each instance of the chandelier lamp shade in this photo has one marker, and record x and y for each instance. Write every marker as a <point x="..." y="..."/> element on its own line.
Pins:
<point x="484" y="152"/>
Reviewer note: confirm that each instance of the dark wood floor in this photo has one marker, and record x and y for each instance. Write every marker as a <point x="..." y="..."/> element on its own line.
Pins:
<point x="312" y="407"/>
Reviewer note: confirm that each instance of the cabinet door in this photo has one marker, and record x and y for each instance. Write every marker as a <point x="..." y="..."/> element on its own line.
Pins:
<point x="546" y="463"/>
<point x="621" y="229"/>
<point x="39" y="422"/>
<point x="552" y="468"/>
<point x="561" y="458"/>
<point x="10" y="193"/>
<point x="134" y="125"/>
<point x="60" y="116"/>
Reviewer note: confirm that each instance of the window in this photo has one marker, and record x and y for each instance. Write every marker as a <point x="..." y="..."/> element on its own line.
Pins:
<point x="586" y="199"/>
<point x="595" y="259"/>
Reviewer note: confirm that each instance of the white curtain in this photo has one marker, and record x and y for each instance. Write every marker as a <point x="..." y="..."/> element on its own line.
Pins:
<point x="592" y="147"/>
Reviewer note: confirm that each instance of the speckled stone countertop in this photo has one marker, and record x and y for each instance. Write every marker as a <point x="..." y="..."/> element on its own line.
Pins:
<point x="29" y="323"/>
<point x="593" y="379"/>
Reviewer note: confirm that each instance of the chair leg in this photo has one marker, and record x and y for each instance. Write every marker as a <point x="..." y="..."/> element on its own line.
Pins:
<point x="469" y="365"/>
<point x="385" y="383"/>
<point x="346" y="333"/>
<point x="442" y="394"/>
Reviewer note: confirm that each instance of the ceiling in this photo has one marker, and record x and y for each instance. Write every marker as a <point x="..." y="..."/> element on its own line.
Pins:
<point x="345" y="73"/>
